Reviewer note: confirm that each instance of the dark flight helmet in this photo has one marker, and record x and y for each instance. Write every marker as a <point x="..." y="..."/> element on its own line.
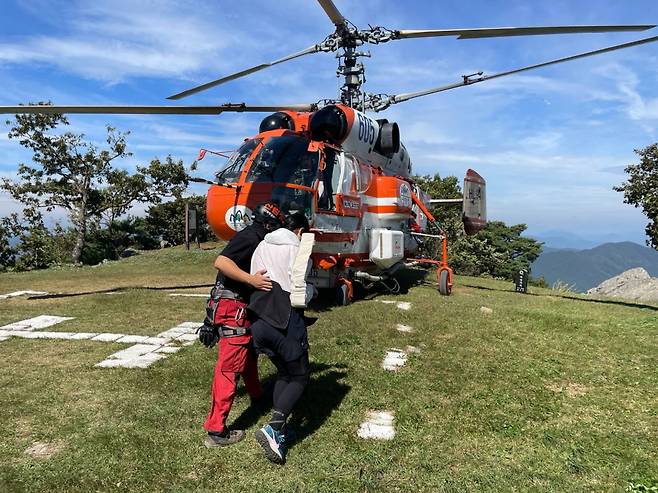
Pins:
<point x="269" y="215"/>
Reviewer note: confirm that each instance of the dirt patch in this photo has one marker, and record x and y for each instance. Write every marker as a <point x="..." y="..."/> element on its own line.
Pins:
<point x="43" y="450"/>
<point x="571" y="389"/>
<point x="191" y="476"/>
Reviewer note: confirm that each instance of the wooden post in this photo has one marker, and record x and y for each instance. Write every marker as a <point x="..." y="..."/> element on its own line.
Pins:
<point x="196" y="229"/>
<point x="187" y="225"/>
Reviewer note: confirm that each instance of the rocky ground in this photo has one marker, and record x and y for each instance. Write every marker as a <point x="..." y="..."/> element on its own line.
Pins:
<point x="634" y="284"/>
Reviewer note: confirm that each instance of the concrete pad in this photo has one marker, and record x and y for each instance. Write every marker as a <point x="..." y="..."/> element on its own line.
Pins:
<point x="5" y="333"/>
<point x="55" y="335"/>
<point x="394" y="359"/>
<point x="404" y="328"/>
<point x="131" y="339"/>
<point x="159" y="341"/>
<point x="167" y="350"/>
<point x="143" y="361"/>
<point x="110" y="363"/>
<point x="404" y="305"/>
<point x="173" y="333"/>
<point x="27" y="334"/>
<point x="378" y="425"/>
<point x="388" y="302"/>
<point x="187" y="337"/>
<point x="134" y="351"/>
<point x="84" y="335"/>
<point x="40" y="322"/>
<point x="107" y="337"/>
<point x="22" y="293"/>
<point x="3" y="338"/>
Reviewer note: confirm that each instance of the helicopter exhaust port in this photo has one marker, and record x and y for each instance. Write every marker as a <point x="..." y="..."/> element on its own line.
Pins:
<point x="388" y="140"/>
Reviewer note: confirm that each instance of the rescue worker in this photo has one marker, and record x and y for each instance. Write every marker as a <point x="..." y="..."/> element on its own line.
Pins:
<point x="227" y="322"/>
<point x="280" y="331"/>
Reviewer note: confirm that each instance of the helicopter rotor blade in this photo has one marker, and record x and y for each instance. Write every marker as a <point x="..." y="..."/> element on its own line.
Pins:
<point x="332" y="12"/>
<point x="153" y="110"/>
<point x="469" y="80"/>
<point x="242" y="73"/>
<point x="499" y="32"/>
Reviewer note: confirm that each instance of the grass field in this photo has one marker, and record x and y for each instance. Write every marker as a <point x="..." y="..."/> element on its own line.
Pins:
<point x="547" y="393"/>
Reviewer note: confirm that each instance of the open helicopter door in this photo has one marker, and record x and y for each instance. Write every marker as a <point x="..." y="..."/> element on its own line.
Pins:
<point x="348" y="201"/>
<point x="475" y="203"/>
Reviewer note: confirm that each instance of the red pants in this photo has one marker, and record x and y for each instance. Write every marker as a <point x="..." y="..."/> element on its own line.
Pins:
<point x="236" y="357"/>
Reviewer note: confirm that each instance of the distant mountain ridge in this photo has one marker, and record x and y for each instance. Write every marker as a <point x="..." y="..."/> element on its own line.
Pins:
<point x="585" y="269"/>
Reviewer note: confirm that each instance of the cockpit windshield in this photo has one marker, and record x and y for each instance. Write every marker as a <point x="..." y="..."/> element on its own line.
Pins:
<point x="285" y="159"/>
<point x="235" y="164"/>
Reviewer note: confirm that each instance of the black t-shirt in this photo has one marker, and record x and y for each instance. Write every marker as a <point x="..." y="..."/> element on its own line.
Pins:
<point x="240" y="250"/>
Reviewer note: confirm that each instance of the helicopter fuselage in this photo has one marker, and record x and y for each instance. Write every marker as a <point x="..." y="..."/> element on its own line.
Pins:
<point x="346" y="188"/>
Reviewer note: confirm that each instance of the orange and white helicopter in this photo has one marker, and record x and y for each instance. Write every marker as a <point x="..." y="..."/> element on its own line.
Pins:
<point x="346" y="170"/>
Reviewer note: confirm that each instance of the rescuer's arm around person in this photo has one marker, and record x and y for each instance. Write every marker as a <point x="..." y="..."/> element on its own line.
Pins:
<point x="230" y="269"/>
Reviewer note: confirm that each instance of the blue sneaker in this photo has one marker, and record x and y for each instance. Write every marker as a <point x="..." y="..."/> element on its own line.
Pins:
<point x="273" y="444"/>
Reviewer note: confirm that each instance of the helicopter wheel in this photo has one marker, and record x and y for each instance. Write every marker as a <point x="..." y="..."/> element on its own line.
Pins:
<point x="445" y="286"/>
<point x="343" y="295"/>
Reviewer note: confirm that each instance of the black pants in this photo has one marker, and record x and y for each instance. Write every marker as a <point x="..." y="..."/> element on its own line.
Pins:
<point x="288" y="351"/>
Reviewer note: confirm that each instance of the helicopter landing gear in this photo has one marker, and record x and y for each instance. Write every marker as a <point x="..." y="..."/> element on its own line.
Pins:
<point x="344" y="292"/>
<point x="445" y="281"/>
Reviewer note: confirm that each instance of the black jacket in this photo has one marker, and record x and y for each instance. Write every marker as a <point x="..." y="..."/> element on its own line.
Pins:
<point x="272" y="306"/>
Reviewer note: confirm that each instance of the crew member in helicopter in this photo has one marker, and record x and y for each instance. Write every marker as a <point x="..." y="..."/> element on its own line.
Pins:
<point x="227" y="323"/>
<point x="280" y="331"/>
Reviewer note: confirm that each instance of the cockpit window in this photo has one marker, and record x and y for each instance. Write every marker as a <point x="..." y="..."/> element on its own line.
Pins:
<point x="285" y="159"/>
<point x="235" y="164"/>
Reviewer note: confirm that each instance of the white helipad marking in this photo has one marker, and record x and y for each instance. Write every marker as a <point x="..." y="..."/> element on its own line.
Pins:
<point x="189" y="295"/>
<point x="402" y="305"/>
<point x="108" y="337"/>
<point x="394" y="359"/>
<point x="21" y="293"/>
<point x="40" y="322"/>
<point x="142" y="361"/>
<point x="152" y="349"/>
<point x="132" y="339"/>
<point x="147" y="351"/>
<point x="378" y="425"/>
<point x="404" y="328"/>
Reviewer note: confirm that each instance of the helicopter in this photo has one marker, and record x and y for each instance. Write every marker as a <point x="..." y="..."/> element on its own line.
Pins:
<point x="345" y="169"/>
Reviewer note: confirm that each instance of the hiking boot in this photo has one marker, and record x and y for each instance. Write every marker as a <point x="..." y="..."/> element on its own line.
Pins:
<point x="289" y="435"/>
<point x="228" y="437"/>
<point x="272" y="443"/>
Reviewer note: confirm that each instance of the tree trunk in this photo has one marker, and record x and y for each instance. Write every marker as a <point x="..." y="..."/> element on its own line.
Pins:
<point x="79" y="242"/>
<point x="81" y="225"/>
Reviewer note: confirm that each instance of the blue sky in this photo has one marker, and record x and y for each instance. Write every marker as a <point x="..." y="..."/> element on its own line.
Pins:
<point x="551" y="143"/>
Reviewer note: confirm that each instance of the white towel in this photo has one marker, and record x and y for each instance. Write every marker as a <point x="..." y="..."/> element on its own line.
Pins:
<point x="302" y="293"/>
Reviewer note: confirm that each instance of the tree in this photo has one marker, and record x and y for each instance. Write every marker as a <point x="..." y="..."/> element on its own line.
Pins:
<point x="79" y="177"/>
<point x="641" y="189"/>
<point x="168" y="219"/>
<point x="449" y="216"/>
<point x="498" y="250"/>
<point x="7" y="251"/>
